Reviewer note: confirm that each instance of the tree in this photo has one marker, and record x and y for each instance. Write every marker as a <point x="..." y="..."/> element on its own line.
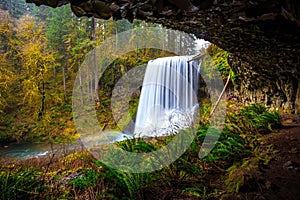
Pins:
<point x="5" y="31"/>
<point x="41" y="13"/>
<point x="7" y="78"/>
<point x="37" y="62"/>
<point x="16" y="8"/>
<point x="57" y="34"/>
<point x="7" y="75"/>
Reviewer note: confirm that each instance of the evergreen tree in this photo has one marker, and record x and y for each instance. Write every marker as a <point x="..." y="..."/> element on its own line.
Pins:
<point x="57" y="34"/>
<point x="16" y="8"/>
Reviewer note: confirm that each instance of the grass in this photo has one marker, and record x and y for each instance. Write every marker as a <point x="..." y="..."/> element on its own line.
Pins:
<point x="19" y="184"/>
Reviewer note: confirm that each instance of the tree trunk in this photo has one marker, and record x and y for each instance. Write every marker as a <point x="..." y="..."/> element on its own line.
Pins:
<point x="42" y="110"/>
<point x="95" y="61"/>
<point x="64" y="79"/>
<point x="54" y="74"/>
<point x="297" y="99"/>
<point x="80" y="83"/>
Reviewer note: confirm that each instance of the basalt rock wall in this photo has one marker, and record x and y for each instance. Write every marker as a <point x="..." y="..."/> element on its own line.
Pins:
<point x="277" y="90"/>
<point x="263" y="37"/>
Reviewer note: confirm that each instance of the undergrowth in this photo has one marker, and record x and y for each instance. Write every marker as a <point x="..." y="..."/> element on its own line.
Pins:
<point x="238" y="151"/>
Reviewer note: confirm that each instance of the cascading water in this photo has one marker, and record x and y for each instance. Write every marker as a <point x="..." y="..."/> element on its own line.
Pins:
<point x="168" y="100"/>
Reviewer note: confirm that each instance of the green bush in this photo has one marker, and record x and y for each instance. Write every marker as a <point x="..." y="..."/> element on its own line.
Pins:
<point x="88" y="178"/>
<point x="254" y="118"/>
<point x="124" y="185"/>
<point x="239" y="136"/>
<point x="229" y="145"/>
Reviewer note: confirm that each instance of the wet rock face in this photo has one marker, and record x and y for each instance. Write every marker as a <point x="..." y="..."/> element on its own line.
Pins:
<point x="275" y="89"/>
<point x="263" y="34"/>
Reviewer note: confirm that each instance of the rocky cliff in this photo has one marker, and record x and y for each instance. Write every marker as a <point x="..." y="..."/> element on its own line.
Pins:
<point x="263" y="37"/>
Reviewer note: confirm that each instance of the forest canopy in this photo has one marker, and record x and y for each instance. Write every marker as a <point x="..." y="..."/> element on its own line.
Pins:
<point x="41" y="51"/>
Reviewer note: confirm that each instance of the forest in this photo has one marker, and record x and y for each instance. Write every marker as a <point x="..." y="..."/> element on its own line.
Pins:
<point x="41" y="51"/>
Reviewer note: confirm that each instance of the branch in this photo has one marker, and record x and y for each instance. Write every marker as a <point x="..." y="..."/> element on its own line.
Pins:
<point x="218" y="101"/>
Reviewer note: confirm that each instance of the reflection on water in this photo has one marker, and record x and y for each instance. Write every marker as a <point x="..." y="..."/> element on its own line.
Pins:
<point x="30" y="150"/>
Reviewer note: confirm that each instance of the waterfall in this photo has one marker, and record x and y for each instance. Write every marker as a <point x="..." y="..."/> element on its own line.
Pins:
<point x="168" y="99"/>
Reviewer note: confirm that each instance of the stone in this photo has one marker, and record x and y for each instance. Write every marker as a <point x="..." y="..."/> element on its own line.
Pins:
<point x="288" y="121"/>
<point x="290" y="165"/>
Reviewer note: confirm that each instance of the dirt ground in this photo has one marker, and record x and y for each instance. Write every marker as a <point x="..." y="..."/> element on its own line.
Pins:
<point x="283" y="172"/>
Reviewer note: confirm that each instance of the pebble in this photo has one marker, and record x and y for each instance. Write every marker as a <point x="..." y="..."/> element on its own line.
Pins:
<point x="288" y="121"/>
<point x="292" y="166"/>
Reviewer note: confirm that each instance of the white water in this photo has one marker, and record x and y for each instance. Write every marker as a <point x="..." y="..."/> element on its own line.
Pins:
<point x="168" y="98"/>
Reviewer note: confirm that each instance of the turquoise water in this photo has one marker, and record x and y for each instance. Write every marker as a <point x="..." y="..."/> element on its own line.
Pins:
<point x="31" y="150"/>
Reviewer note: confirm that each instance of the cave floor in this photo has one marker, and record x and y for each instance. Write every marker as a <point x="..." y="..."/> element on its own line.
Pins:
<point x="283" y="171"/>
